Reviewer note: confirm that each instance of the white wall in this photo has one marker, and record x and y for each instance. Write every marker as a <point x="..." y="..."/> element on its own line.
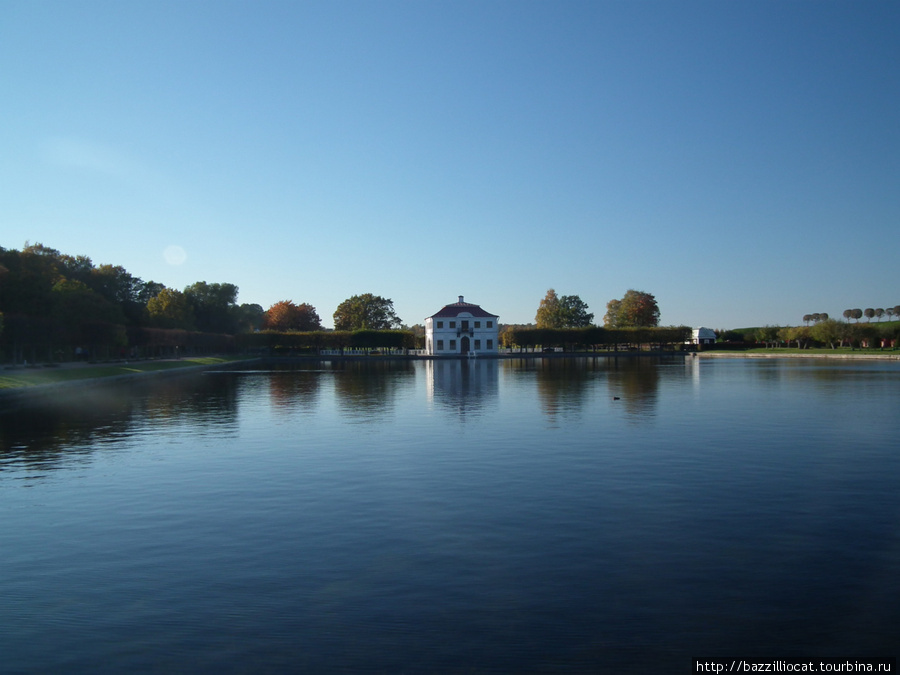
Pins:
<point x="448" y="334"/>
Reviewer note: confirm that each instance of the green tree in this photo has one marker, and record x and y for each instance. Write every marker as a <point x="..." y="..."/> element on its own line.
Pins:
<point x="567" y="311"/>
<point x="250" y="317"/>
<point x="574" y="312"/>
<point x="171" y="309"/>
<point x="636" y="309"/>
<point x="829" y="332"/>
<point x="366" y="312"/>
<point x="214" y="306"/>
<point x="767" y="335"/>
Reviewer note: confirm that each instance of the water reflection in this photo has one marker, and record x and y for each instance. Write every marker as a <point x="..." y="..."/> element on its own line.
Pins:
<point x="634" y="384"/>
<point x="366" y="391"/>
<point x="70" y="427"/>
<point x="463" y="386"/>
<point x="294" y="390"/>
<point x="567" y="387"/>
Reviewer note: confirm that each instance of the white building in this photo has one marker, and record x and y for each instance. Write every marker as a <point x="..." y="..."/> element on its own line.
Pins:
<point x="461" y="328"/>
<point x="703" y="336"/>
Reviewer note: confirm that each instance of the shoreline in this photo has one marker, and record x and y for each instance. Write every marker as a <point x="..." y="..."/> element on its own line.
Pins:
<point x="756" y="355"/>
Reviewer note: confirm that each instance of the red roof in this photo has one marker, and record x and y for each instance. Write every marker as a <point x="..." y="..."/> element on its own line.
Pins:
<point x="458" y="308"/>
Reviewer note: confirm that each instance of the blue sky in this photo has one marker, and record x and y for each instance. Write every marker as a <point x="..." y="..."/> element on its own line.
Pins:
<point x="739" y="160"/>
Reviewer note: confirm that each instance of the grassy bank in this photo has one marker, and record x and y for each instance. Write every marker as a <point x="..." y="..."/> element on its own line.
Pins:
<point x="13" y="378"/>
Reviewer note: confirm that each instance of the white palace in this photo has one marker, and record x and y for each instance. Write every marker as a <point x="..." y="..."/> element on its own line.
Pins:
<point x="461" y="329"/>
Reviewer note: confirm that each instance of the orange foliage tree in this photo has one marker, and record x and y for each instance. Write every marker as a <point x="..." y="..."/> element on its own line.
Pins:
<point x="286" y="316"/>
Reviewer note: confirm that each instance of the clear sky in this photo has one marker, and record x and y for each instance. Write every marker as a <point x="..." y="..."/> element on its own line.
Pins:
<point x="739" y="160"/>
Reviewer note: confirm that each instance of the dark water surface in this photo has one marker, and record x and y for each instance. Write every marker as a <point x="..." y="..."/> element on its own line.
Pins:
<point x="474" y="516"/>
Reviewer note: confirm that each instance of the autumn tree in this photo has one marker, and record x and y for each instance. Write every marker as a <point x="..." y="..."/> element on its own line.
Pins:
<point x="286" y="316"/>
<point x="636" y="309"/>
<point x="366" y="312"/>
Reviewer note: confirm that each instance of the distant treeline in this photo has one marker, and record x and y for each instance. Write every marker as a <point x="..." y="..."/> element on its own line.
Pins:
<point x="278" y="342"/>
<point x="823" y="333"/>
<point x="594" y="337"/>
<point x="55" y="307"/>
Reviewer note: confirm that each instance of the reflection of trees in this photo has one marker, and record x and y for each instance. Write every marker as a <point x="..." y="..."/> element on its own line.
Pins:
<point x="636" y="382"/>
<point x="366" y="389"/>
<point x="294" y="389"/>
<point x="57" y="432"/>
<point x="463" y="386"/>
<point x="562" y="383"/>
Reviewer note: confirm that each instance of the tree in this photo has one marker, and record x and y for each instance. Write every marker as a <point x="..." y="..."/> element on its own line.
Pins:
<point x="171" y="309"/>
<point x="869" y="313"/>
<point x="250" y="317"/>
<point x="574" y="311"/>
<point x="848" y="314"/>
<point x="611" y="319"/>
<point x="829" y="331"/>
<point x="567" y="311"/>
<point x="214" y="306"/>
<point x="366" y="312"/>
<point x="286" y="316"/>
<point x="637" y="309"/>
<point x="879" y="313"/>
<point x="548" y="314"/>
<point x="767" y="335"/>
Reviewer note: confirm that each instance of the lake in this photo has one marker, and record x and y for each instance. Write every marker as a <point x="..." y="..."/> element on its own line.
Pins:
<point x="546" y="515"/>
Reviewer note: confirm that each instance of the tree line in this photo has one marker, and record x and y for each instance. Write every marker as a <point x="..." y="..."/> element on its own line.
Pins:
<point x="594" y="337"/>
<point x="563" y="321"/>
<point x="824" y="331"/>
<point x="637" y="309"/>
<point x="55" y="306"/>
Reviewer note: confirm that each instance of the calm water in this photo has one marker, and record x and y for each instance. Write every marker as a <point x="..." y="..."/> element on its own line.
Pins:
<point x="476" y="516"/>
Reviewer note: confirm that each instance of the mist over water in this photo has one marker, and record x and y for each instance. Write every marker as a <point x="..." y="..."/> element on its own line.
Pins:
<point x="611" y="515"/>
